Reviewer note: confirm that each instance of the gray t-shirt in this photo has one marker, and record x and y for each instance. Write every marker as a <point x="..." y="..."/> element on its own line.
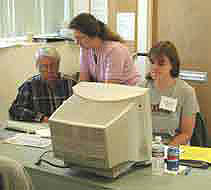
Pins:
<point x="167" y="121"/>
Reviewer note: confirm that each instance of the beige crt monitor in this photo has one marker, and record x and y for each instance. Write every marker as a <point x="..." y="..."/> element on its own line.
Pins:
<point x="104" y="128"/>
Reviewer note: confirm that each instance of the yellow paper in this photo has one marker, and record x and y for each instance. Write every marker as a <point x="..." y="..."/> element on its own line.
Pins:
<point x="195" y="153"/>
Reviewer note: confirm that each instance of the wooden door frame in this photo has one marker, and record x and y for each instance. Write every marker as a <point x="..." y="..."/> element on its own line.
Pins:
<point x="145" y="33"/>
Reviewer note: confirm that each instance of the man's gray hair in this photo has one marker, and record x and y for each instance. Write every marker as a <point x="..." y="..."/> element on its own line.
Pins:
<point x="47" y="52"/>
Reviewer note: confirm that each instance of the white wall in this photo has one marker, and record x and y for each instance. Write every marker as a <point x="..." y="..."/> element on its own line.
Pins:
<point x="17" y="64"/>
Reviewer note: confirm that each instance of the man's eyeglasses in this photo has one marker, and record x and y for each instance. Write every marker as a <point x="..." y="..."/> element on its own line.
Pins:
<point x="48" y="67"/>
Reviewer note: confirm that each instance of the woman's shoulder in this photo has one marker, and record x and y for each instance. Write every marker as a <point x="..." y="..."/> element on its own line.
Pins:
<point x="184" y="86"/>
<point x="110" y="46"/>
<point x="85" y="51"/>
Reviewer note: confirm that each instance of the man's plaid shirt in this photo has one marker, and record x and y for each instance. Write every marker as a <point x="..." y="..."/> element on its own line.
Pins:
<point x="36" y="99"/>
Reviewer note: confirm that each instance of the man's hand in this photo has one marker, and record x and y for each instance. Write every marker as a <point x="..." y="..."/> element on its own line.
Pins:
<point x="45" y="119"/>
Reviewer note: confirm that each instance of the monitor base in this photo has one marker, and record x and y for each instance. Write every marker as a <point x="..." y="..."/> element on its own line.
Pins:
<point x="109" y="172"/>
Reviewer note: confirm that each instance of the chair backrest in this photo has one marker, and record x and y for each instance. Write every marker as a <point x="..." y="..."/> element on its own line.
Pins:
<point x="1" y="182"/>
<point x="200" y="132"/>
<point x="13" y="175"/>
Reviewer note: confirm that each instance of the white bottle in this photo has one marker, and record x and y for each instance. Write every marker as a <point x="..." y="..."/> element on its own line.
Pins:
<point x="158" y="161"/>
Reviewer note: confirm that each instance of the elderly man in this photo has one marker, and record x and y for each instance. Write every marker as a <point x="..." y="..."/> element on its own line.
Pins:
<point x="42" y="94"/>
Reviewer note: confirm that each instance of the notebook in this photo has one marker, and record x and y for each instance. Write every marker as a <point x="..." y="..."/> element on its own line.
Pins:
<point x="28" y="127"/>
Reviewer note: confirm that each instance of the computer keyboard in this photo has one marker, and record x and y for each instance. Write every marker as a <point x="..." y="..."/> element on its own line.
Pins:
<point x="28" y="127"/>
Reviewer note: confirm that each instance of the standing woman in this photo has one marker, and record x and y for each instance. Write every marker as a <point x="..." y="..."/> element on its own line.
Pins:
<point x="104" y="56"/>
<point x="174" y="103"/>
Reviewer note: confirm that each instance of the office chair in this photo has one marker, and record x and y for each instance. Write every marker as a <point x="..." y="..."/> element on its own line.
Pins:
<point x="13" y="176"/>
<point x="1" y="182"/>
<point x="137" y="54"/>
<point x="200" y="132"/>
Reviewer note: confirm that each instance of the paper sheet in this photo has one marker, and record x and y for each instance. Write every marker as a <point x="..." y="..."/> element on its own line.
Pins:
<point x="46" y="133"/>
<point x="29" y="140"/>
<point x="195" y="153"/>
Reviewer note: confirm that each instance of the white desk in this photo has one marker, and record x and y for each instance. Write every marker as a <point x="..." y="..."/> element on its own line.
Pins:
<point x="49" y="177"/>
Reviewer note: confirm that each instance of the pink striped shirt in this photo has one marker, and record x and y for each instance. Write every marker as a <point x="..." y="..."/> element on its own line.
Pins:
<point x="113" y="62"/>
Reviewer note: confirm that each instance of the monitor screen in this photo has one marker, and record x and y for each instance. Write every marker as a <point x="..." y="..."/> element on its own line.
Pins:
<point x="103" y="126"/>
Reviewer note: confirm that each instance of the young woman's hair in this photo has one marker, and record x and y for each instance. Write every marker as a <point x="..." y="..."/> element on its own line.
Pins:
<point x="92" y="27"/>
<point x="166" y="48"/>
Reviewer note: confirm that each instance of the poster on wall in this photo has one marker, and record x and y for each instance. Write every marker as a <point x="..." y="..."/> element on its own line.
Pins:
<point x="99" y="8"/>
<point x="126" y="25"/>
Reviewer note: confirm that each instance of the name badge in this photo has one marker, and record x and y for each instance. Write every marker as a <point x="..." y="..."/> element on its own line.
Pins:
<point x="167" y="103"/>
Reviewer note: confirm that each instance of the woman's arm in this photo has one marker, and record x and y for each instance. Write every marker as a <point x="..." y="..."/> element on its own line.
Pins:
<point x="188" y="117"/>
<point x="84" y="66"/>
<point x="186" y="130"/>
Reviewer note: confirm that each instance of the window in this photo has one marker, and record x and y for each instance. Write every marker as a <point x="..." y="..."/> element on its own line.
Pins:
<point x="19" y="17"/>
